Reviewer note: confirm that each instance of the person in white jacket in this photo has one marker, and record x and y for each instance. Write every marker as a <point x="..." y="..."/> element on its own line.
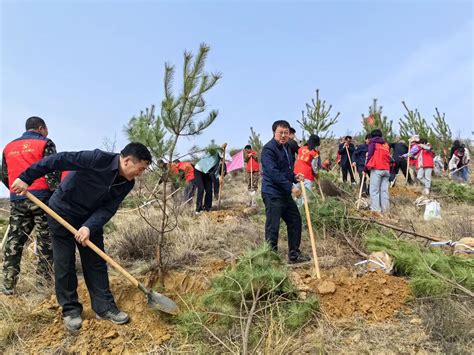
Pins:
<point x="458" y="164"/>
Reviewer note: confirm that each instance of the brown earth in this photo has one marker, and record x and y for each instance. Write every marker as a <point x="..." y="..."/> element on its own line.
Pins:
<point x="146" y="329"/>
<point x="223" y="215"/>
<point x="403" y="191"/>
<point x="375" y="296"/>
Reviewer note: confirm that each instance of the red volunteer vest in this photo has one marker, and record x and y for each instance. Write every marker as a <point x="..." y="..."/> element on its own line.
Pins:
<point x="20" y="155"/>
<point x="252" y="163"/>
<point x="424" y="159"/>
<point x="381" y="158"/>
<point x="303" y="163"/>
<point x="188" y="170"/>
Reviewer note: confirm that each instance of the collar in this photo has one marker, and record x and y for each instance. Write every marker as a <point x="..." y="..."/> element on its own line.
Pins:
<point x="32" y="134"/>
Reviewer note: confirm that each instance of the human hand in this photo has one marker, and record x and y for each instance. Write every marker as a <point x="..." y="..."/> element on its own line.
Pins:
<point x="299" y="177"/>
<point x="296" y="192"/>
<point x="83" y="235"/>
<point x="19" y="187"/>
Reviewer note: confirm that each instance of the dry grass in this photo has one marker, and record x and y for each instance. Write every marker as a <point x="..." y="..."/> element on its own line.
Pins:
<point x="449" y="322"/>
<point x="199" y="239"/>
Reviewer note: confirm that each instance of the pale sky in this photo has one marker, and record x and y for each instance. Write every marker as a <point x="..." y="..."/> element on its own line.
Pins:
<point x="87" y="67"/>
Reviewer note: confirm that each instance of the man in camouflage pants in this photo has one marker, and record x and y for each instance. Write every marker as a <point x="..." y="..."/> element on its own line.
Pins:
<point x="18" y="155"/>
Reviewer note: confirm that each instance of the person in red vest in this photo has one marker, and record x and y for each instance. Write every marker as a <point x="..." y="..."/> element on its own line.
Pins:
<point x="18" y="155"/>
<point x="253" y="169"/>
<point x="378" y="164"/>
<point x="308" y="163"/>
<point x="414" y="143"/>
<point x="187" y="169"/>
<point x="422" y="154"/>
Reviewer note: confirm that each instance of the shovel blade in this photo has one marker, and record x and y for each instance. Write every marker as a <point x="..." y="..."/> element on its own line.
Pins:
<point x="162" y="303"/>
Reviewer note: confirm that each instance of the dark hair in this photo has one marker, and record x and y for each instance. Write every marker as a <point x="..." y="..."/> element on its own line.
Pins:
<point x="313" y="141"/>
<point x="176" y="161"/>
<point x="461" y="150"/>
<point x="34" y="123"/>
<point x="248" y="146"/>
<point x="376" y="133"/>
<point x="280" y="123"/>
<point x="423" y="140"/>
<point x="368" y="136"/>
<point x="292" y="130"/>
<point x="347" y="137"/>
<point x="136" y="150"/>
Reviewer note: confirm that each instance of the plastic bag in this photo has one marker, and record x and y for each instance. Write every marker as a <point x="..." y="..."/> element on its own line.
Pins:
<point x="432" y="210"/>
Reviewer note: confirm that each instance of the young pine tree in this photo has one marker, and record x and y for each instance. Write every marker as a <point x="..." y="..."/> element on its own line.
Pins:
<point x="375" y="119"/>
<point x="178" y="118"/>
<point x="316" y="119"/>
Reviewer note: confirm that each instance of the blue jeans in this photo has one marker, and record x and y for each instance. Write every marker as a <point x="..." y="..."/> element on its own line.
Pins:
<point x="379" y="197"/>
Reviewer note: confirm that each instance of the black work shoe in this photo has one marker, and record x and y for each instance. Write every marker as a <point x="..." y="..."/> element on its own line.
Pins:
<point x="299" y="259"/>
<point x="73" y="323"/>
<point x="6" y="291"/>
<point x="114" y="315"/>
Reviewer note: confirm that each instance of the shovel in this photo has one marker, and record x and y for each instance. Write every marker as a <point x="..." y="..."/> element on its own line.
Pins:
<point x="310" y="229"/>
<point x="221" y="177"/>
<point x="360" y="190"/>
<point x="155" y="299"/>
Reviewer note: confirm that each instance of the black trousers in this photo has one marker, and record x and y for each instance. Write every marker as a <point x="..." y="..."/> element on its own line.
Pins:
<point x="203" y="184"/>
<point x="346" y="169"/>
<point x="400" y="165"/>
<point x="93" y="266"/>
<point x="284" y="207"/>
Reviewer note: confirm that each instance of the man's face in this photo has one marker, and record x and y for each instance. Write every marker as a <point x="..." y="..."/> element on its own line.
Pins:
<point x="348" y="140"/>
<point x="282" y="135"/>
<point x="367" y="141"/>
<point x="132" y="167"/>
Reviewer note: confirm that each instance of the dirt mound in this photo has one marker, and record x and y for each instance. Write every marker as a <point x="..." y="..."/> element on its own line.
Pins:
<point x="329" y="188"/>
<point x="146" y="330"/>
<point x="222" y="216"/>
<point x="375" y="296"/>
<point x="403" y="191"/>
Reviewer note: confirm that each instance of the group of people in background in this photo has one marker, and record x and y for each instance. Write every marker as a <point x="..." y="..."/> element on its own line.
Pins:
<point x="98" y="182"/>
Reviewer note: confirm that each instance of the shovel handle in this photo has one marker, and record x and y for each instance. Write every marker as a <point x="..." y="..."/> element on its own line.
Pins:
<point x="221" y="177"/>
<point x="310" y="228"/>
<point x="350" y="162"/>
<point x="360" y="190"/>
<point x="91" y="245"/>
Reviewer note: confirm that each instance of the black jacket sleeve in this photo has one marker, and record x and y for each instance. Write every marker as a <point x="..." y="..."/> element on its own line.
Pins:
<point x="61" y="161"/>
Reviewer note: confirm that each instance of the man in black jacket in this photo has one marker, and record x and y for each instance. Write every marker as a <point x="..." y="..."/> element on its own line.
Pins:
<point x="87" y="198"/>
<point x="398" y="149"/>
<point x="346" y="150"/>
<point x="359" y="159"/>
<point x="293" y="144"/>
<point x="277" y="185"/>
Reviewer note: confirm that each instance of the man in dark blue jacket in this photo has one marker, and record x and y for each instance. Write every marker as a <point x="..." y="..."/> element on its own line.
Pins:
<point x="87" y="198"/>
<point x="398" y="149"/>
<point x="346" y="149"/>
<point x="277" y="185"/>
<point x="359" y="159"/>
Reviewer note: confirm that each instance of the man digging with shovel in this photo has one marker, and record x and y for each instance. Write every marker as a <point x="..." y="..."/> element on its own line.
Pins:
<point x="87" y="198"/>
